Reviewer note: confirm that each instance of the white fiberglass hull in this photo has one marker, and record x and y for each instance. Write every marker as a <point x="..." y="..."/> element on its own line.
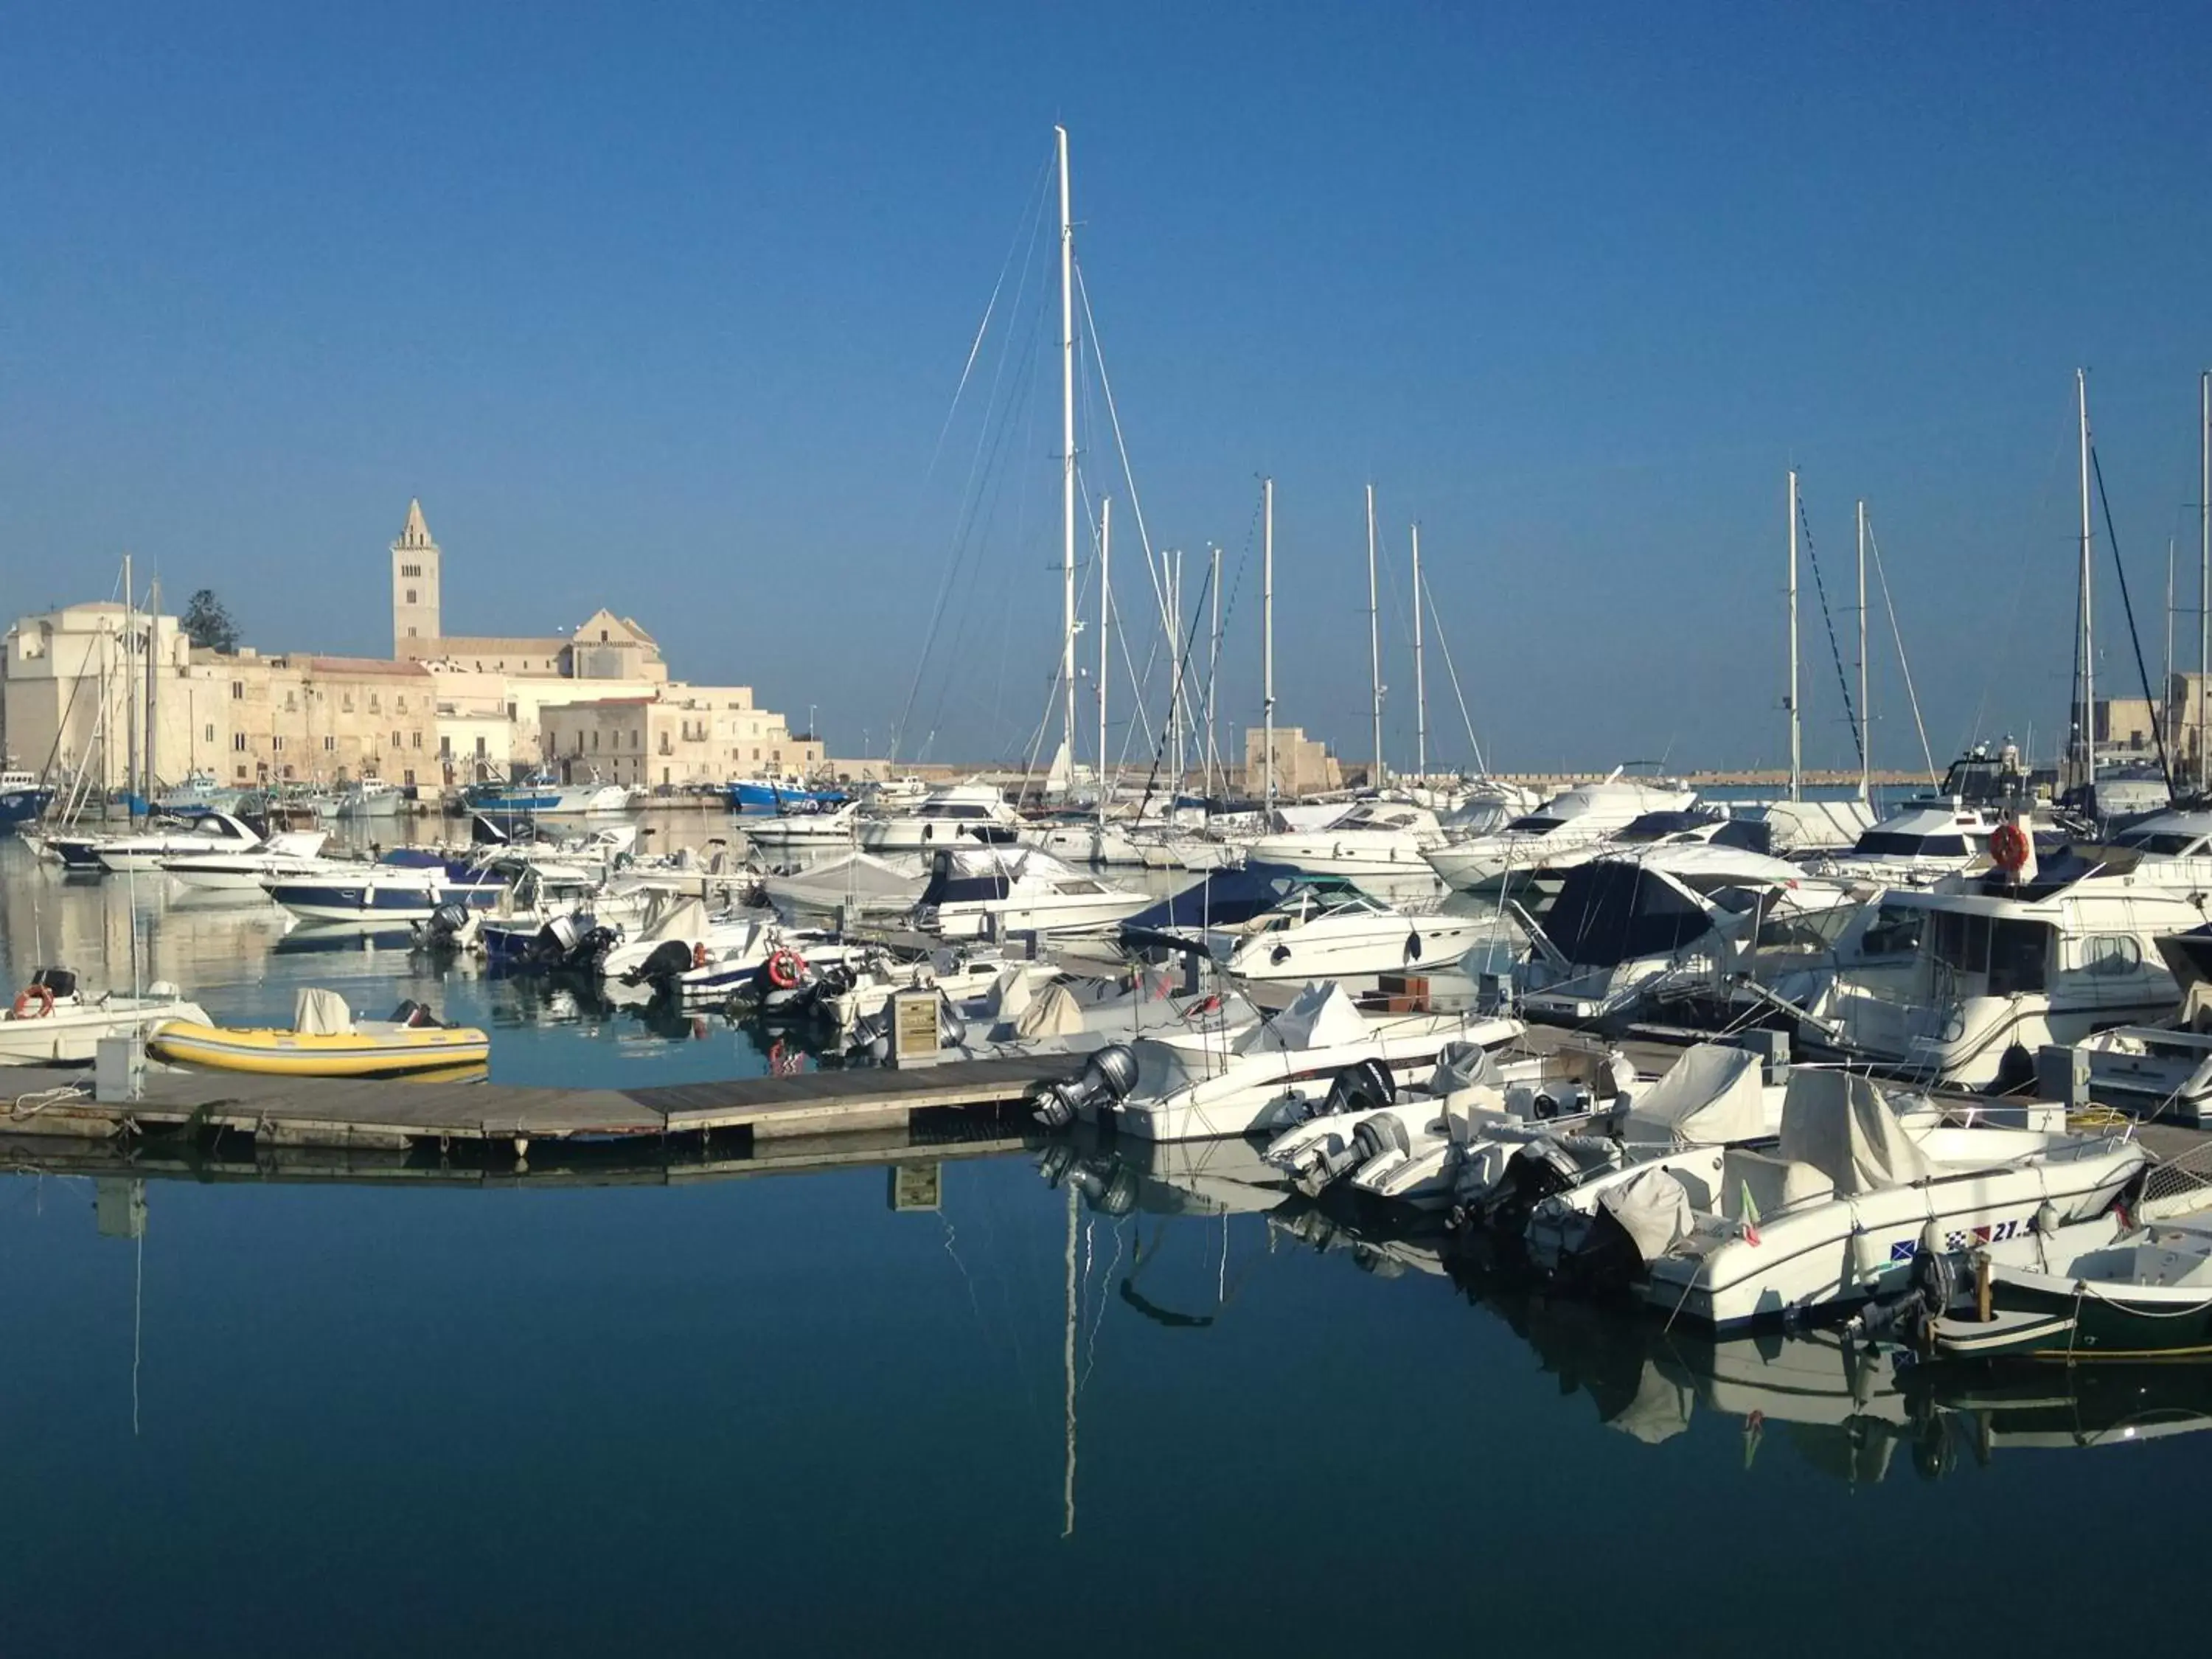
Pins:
<point x="1350" y="853"/>
<point x="70" y="1035"/>
<point x="1087" y="913"/>
<point x="1327" y="949"/>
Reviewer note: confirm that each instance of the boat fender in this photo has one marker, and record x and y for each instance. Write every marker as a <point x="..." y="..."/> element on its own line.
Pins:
<point x="2045" y="1219"/>
<point x="1279" y="955"/>
<point x="31" y="997"/>
<point x="698" y="954"/>
<point x="1413" y="946"/>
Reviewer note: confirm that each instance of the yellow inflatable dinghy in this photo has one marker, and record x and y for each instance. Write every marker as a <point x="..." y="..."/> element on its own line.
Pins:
<point x="325" y="1040"/>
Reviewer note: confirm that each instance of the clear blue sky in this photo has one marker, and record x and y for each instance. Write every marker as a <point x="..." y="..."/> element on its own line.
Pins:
<point x="663" y="308"/>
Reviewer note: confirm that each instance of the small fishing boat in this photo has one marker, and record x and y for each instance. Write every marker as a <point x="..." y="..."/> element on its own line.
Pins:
<point x="787" y="794"/>
<point x="2147" y="1295"/>
<point x="325" y="1039"/>
<point x="22" y="797"/>
<point x="50" y="1023"/>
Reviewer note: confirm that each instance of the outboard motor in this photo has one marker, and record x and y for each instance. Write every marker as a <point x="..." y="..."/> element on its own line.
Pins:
<point x="591" y="948"/>
<point x="669" y="960"/>
<point x="1536" y="1172"/>
<point x="418" y="1015"/>
<point x="62" y="981"/>
<point x="1361" y="1087"/>
<point x="1107" y="1079"/>
<point x="446" y="923"/>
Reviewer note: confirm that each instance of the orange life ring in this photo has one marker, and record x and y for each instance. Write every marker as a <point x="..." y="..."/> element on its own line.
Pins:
<point x="699" y="956"/>
<point x="37" y="994"/>
<point x="784" y="969"/>
<point x="2009" y="848"/>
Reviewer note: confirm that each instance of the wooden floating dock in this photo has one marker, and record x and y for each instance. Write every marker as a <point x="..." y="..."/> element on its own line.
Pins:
<point x="480" y="1117"/>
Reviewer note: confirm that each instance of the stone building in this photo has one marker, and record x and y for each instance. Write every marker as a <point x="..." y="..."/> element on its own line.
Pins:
<point x="673" y="737"/>
<point x="1303" y="765"/>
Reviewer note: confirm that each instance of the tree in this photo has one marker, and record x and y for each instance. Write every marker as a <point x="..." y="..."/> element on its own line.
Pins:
<point x="207" y="625"/>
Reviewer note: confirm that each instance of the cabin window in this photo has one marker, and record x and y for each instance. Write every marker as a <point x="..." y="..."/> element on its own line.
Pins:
<point x="2112" y="953"/>
<point x="1890" y="843"/>
<point x="1895" y="930"/>
<point x="2011" y="953"/>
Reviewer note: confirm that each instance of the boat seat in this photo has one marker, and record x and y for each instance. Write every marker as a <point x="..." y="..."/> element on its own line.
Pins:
<point x="1774" y="1183"/>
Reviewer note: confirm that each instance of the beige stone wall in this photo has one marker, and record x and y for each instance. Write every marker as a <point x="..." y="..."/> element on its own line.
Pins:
<point x="683" y="735"/>
<point x="1304" y="766"/>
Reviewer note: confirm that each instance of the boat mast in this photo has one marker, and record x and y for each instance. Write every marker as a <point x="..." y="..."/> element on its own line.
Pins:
<point x="2164" y="710"/>
<point x="1374" y="643"/>
<point x="1866" y="714"/>
<point x="1796" y="727"/>
<point x="1067" y="455"/>
<point x="2203" y="574"/>
<point x="1268" y="639"/>
<point x="1421" y="680"/>
<point x="2088" y="711"/>
<point x="1213" y="669"/>
<point x="130" y="693"/>
<point x="1105" y="622"/>
<point x="153" y="680"/>
<point x="1176" y="663"/>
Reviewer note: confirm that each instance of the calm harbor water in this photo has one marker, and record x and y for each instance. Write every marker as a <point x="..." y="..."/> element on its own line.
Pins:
<point x="1083" y="1404"/>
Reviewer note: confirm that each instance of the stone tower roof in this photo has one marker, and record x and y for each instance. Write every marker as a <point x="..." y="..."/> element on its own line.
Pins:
<point x="416" y="533"/>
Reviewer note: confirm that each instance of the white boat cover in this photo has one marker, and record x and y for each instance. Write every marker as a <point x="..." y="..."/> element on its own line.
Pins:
<point x="1661" y="1409"/>
<point x="1652" y="1209"/>
<point x="317" y="1012"/>
<point x="1710" y="1097"/>
<point x="1840" y="1124"/>
<point x="1323" y="1016"/>
<point x="1053" y="1011"/>
<point x="853" y="877"/>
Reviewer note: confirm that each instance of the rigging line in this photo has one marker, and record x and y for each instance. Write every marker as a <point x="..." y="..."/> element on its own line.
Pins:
<point x="1897" y="635"/>
<point x="963" y="519"/>
<point x="1828" y="621"/>
<point x="2113" y="540"/>
<point x="1030" y="214"/>
<point x="1482" y="768"/>
<point x="1204" y="588"/>
<point x="1122" y="448"/>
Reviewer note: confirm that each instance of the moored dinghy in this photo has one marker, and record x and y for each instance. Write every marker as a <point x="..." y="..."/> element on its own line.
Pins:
<point x="324" y="1040"/>
<point x="52" y="1023"/>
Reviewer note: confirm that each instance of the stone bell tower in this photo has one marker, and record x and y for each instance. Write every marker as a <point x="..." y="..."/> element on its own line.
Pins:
<point x="415" y="578"/>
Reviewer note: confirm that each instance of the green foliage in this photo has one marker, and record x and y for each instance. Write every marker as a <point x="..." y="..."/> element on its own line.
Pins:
<point x="207" y="625"/>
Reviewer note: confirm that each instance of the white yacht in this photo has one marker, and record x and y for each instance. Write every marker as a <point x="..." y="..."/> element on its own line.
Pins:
<point x="1917" y="846"/>
<point x="371" y="798"/>
<point x="831" y="830"/>
<point x="1330" y="930"/>
<point x="1267" y="1077"/>
<point x="1375" y="838"/>
<point x="289" y="852"/>
<point x="958" y="814"/>
<point x="1016" y="890"/>
<point x="212" y="832"/>
<point x="1574" y="818"/>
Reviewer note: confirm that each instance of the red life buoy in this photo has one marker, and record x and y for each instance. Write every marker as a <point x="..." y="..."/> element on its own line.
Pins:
<point x="2009" y="848"/>
<point x="784" y="968"/>
<point x="32" y="995"/>
<point x="699" y="956"/>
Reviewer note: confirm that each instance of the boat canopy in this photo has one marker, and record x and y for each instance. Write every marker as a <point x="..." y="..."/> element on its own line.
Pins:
<point x="1712" y="1096"/>
<point x="1843" y="1126"/>
<point x="317" y="1012"/>
<point x="1323" y="1016"/>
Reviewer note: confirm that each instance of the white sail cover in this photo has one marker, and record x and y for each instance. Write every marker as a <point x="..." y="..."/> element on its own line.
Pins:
<point x="320" y="1013"/>
<point x="1710" y="1097"/>
<point x="685" y="918"/>
<point x="1839" y="1123"/>
<point x="1652" y="1209"/>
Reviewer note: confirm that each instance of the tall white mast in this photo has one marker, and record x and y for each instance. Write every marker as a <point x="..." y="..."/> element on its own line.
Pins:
<point x="1176" y="663"/>
<point x="1866" y="714"/>
<point x="1421" y="680"/>
<point x="1374" y="643"/>
<point x="2088" y="713"/>
<point x="1212" y="672"/>
<point x="130" y="689"/>
<point x="1796" y="729"/>
<point x="1067" y="452"/>
<point x="1268" y="639"/>
<point x="1105" y="622"/>
<point x="2164" y="713"/>
<point x="152" y="681"/>
<point x="2203" y="576"/>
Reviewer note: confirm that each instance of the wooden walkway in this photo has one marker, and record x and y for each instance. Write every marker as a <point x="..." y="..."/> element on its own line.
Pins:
<point x="334" y="1113"/>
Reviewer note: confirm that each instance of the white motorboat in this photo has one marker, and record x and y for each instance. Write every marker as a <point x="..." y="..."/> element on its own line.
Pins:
<point x="856" y="883"/>
<point x="1455" y="1127"/>
<point x="51" y="1023"/>
<point x="1679" y="918"/>
<point x="1037" y="1008"/>
<point x="289" y="853"/>
<point x="1572" y="819"/>
<point x="1268" y="1076"/>
<point x="834" y="829"/>
<point x="1328" y="930"/>
<point x="371" y="798"/>
<point x="1854" y="1197"/>
<point x="211" y="832"/>
<point x="1917" y="846"/>
<point x="988" y="890"/>
<point x="958" y="814"/>
<point x="1375" y="838"/>
<point x="405" y="887"/>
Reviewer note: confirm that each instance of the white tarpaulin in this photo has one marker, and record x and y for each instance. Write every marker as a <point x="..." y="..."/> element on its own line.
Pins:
<point x="1839" y="1123"/>
<point x="684" y="919"/>
<point x="321" y="1013"/>
<point x="1652" y="1209"/>
<point x="1053" y="1011"/>
<point x="1464" y="1065"/>
<point x="1712" y="1096"/>
<point x="1324" y="1016"/>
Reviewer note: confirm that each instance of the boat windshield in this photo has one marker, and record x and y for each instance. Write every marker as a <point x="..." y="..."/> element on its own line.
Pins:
<point x="1607" y="914"/>
<point x="2011" y="951"/>
<point x="1895" y="844"/>
<point x="2164" y="842"/>
<point x="1535" y="823"/>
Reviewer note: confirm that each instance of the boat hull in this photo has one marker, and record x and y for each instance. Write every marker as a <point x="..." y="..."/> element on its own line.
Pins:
<point x="400" y="1053"/>
<point x="71" y="1036"/>
<point x="23" y="805"/>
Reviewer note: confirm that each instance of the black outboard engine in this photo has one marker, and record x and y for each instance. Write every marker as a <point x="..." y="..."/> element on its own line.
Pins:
<point x="418" y="1015"/>
<point x="1363" y="1086"/>
<point x="446" y="923"/>
<point x="1536" y="1172"/>
<point x="1107" y="1077"/>
<point x="592" y="949"/>
<point x="668" y="961"/>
